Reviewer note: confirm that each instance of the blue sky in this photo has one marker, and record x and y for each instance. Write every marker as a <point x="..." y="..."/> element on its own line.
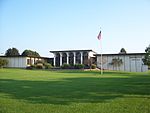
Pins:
<point x="44" y="25"/>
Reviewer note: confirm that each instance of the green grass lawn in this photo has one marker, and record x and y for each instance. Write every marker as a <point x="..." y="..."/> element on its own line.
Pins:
<point x="33" y="91"/>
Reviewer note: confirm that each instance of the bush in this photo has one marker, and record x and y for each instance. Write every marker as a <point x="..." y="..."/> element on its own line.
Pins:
<point x="86" y="67"/>
<point x="33" y="66"/>
<point x="78" y="66"/>
<point x="3" y="62"/>
<point x="29" y="67"/>
<point x="65" y="66"/>
<point x="93" y="66"/>
<point x="39" y="62"/>
<point x="48" y="65"/>
<point x="39" y="66"/>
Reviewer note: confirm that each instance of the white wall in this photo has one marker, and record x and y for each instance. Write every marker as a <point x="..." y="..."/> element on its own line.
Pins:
<point x="20" y="62"/>
<point x="17" y="62"/>
<point x="131" y="63"/>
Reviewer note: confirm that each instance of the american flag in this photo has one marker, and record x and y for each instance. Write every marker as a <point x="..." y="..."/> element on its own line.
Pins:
<point x="99" y="35"/>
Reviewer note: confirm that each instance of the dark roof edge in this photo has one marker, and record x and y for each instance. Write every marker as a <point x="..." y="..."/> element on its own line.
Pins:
<point x="120" y="54"/>
<point x="25" y="56"/>
<point x="72" y="51"/>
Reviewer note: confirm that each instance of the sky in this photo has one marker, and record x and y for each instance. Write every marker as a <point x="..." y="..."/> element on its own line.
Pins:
<point x="45" y="25"/>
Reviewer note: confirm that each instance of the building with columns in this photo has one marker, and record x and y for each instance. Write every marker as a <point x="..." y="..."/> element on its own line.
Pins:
<point x="73" y="57"/>
<point x="121" y="62"/>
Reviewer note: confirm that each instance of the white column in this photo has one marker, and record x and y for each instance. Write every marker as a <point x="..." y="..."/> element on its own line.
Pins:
<point x="88" y="55"/>
<point x="54" y="59"/>
<point x="89" y="60"/>
<point x="81" y="57"/>
<point x="67" y="58"/>
<point x="60" y="59"/>
<point x="74" y="57"/>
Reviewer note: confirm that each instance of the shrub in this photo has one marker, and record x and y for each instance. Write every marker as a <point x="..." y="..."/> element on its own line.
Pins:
<point x="39" y="66"/>
<point x="3" y="62"/>
<point x="47" y="66"/>
<point x="71" y="66"/>
<point x="29" y="67"/>
<point x="39" y="62"/>
<point x="78" y="66"/>
<point x="33" y="66"/>
<point x="65" y="66"/>
<point x="86" y="67"/>
<point x="93" y="66"/>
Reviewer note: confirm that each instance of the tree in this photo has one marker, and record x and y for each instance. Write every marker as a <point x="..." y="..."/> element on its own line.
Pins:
<point x="3" y="62"/>
<point x="146" y="58"/>
<point x="12" y="52"/>
<point x="122" y="51"/>
<point x="30" y="53"/>
<point x="116" y="62"/>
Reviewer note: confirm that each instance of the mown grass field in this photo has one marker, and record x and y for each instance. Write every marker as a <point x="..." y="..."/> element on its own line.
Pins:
<point x="33" y="91"/>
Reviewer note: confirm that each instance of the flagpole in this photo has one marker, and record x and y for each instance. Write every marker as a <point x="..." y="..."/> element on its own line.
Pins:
<point x="101" y="54"/>
<point x="101" y="57"/>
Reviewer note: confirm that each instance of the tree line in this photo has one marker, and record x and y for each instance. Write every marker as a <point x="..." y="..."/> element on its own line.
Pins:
<point x="15" y="52"/>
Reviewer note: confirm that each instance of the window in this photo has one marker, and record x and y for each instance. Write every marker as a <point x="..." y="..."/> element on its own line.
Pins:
<point x="28" y="61"/>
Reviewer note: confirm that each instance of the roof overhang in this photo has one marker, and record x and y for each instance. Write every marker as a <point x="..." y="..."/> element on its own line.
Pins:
<point x="24" y="56"/>
<point x="120" y="54"/>
<point x="88" y="50"/>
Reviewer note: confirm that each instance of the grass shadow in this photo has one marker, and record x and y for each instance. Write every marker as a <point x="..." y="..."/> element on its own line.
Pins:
<point x="93" y="72"/>
<point x="74" y="90"/>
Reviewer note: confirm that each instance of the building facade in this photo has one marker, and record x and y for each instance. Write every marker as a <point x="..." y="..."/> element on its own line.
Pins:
<point x="73" y="57"/>
<point x="131" y="62"/>
<point x="22" y="61"/>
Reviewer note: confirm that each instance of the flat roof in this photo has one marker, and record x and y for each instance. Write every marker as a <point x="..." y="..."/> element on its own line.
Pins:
<point x="73" y="51"/>
<point x="25" y="56"/>
<point x="120" y="54"/>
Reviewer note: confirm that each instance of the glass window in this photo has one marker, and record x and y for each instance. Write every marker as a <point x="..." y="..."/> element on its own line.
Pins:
<point x="28" y="61"/>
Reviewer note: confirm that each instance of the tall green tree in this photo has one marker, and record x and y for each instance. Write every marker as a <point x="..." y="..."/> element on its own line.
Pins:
<point x="146" y="58"/>
<point x="30" y="53"/>
<point x="12" y="52"/>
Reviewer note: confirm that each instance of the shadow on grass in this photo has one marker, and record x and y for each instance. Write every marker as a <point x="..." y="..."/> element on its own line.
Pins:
<point x="75" y="90"/>
<point x="93" y="72"/>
